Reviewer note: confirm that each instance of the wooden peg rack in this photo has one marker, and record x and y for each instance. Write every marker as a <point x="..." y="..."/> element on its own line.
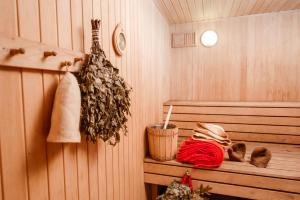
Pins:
<point x="21" y="53"/>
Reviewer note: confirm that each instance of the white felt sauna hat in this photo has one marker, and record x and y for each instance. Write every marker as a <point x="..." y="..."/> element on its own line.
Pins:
<point x="66" y="112"/>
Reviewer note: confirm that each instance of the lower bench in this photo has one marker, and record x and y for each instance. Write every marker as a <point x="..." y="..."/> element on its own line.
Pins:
<point x="280" y="180"/>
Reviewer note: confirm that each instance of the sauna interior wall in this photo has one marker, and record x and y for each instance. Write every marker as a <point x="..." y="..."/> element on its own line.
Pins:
<point x="31" y="169"/>
<point x="257" y="58"/>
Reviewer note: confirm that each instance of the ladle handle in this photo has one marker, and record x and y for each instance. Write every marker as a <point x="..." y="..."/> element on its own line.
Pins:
<point x="168" y="117"/>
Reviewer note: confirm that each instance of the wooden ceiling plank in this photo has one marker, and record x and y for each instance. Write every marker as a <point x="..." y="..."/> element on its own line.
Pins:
<point x="259" y="6"/>
<point x="277" y="5"/>
<point x="235" y="7"/>
<point x="265" y="7"/>
<point x="178" y="10"/>
<point x="208" y="11"/>
<point x="192" y="8"/>
<point x="243" y="5"/>
<point x="219" y="8"/>
<point x="227" y="8"/>
<point x="186" y="10"/>
<point x="169" y="6"/>
<point x="290" y="5"/>
<point x="297" y="6"/>
<point x="249" y="7"/>
<point x="199" y="10"/>
<point x="164" y="10"/>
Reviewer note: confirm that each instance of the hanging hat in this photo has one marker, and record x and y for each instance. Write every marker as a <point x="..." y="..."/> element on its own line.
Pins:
<point x="260" y="157"/>
<point x="66" y="112"/>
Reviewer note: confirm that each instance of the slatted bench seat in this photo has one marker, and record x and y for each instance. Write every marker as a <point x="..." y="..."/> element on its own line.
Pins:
<point x="274" y="125"/>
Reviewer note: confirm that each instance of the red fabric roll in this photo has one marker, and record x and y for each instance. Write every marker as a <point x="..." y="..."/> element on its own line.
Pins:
<point x="201" y="153"/>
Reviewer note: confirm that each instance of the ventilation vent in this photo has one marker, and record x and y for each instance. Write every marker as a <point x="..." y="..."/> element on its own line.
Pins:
<point x="180" y="40"/>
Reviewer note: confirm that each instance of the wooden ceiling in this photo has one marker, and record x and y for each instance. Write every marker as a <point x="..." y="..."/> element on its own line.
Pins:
<point x="183" y="11"/>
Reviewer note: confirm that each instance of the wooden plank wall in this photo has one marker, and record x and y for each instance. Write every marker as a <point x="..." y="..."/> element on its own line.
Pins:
<point x="34" y="170"/>
<point x="257" y="58"/>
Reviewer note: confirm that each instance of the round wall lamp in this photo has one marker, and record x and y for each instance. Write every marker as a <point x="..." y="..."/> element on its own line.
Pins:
<point x="119" y="40"/>
<point x="209" y="38"/>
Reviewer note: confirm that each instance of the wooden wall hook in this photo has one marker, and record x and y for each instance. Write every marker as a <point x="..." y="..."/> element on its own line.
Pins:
<point x="66" y="64"/>
<point x="78" y="59"/>
<point x="13" y="52"/>
<point x="49" y="53"/>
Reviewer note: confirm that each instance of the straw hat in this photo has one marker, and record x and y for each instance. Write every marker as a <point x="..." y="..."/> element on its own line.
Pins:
<point x="211" y="132"/>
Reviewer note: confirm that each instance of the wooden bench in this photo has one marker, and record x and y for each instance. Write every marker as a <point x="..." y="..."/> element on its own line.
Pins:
<point x="275" y="125"/>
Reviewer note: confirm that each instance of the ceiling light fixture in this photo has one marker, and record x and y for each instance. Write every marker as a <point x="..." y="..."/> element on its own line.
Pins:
<point x="209" y="38"/>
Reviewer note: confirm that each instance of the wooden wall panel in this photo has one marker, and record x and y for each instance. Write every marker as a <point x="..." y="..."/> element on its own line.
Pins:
<point x="255" y="59"/>
<point x="33" y="169"/>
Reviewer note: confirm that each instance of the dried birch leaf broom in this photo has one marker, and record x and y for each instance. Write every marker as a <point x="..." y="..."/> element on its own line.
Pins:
<point x="105" y="97"/>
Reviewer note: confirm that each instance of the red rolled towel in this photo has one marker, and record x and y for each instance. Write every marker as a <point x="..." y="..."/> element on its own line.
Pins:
<point x="201" y="153"/>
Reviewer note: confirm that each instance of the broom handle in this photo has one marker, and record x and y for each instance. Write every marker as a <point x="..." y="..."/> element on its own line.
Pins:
<point x="168" y="117"/>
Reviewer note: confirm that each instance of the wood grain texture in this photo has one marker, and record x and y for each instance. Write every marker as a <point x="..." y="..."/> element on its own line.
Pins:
<point x="185" y="11"/>
<point x="33" y="169"/>
<point x="281" y="177"/>
<point x="273" y="122"/>
<point x="225" y="189"/>
<point x="255" y="59"/>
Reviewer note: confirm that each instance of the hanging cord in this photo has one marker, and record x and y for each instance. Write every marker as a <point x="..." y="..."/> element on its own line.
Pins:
<point x="96" y="48"/>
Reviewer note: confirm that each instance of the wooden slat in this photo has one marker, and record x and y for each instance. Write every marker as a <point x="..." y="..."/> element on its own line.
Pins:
<point x="48" y="29"/>
<point x="129" y="123"/>
<point x="98" y="13"/>
<point x="246" y="128"/>
<point x="161" y="6"/>
<point x="178" y="10"/>
<point x="168" y="4"/>
<point x="64" y="30"/>
<point x="115" y="5"/>
<point x="264" y="104"/>
<point x="121" y="17"/>
<point x="288" y="112"/>
<point x="9" y="16"/>
<point x="288" y="149"/>
<point x="35" y="134"/>
<point x="54" y="151"/>
<point x="93" y="171"/>
<point x="13" y="154"/>
<point x="211" y="118"/>
<point x="256" y="137"/>
<point x="82" y="167"/>
<point x="186" y="11"/>
<point x="225" y="177"/>
<point x="226" y="189"/>
<point x="81" y="149"/>
<point x="70" y="166"/>
<point x="242" y="168"/>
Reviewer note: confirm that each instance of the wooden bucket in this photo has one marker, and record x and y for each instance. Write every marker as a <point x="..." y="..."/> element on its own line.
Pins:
<point x="162" y="142"/>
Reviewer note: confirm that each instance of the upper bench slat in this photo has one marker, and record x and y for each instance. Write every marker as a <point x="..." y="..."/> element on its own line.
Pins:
<point x="243" y="111"/>
<point x="235" y="104"/>
<point x="235" y="119"/>
<point x="274" y="122"/>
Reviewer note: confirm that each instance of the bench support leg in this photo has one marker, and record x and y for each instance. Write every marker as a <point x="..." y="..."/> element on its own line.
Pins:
<point x="154" y="191"/>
